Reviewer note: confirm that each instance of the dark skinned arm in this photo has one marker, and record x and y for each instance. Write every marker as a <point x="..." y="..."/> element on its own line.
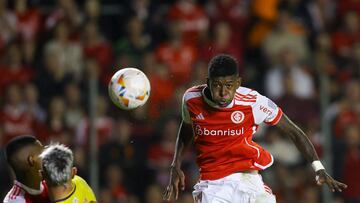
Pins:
<point x="304" y="145"/>
<point x="177" y="177"/>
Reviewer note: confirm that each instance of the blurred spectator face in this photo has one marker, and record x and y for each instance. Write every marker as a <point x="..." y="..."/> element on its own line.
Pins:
<point x="225" y="2"/>
<point x="79" y="157"/>
<point x="353" y="92"/>
<point x="91" y="31"/>
<point x="123" y="130"/>
<point x="29" y="51"/>
<point x="288" y="58"/>
<point x="356" y="52"/>
<point x="14" y="95"/>
<point x="53" y="65"/>
<point x="102" y="106"/>
<point x="2" y="5"/>
<point x="66" y="4"/>
<point x="14" y="56"/>
<point x="20" y="5"/>
<point x="175" y="30"/>
<point x="310" y="195"/>
<point x="92" y="67"/>
<point x="222" y="33"/>
<point x="57" y="107"/>
<point x="105" y="196"/>
<point x="114" y="175"/>
<point x="149" y="63"/>
<point x="352" y="135"/>
<point x="323" y="42"/>
<point x="352" y="22"/>
<point x="31" y="94"/>
<point x="200" y="72"/>
<point x="170" y="130"/>
<point x="135" y="26"/>
<point x="73" y="95"/>
<point x="62" y="31"/>
<point x="153" y="194"/>
<point x="92" y="8"/>
<point x="283" y="20"/>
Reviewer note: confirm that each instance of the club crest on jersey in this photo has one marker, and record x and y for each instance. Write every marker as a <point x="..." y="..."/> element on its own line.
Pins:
<point x="237" y="117"/>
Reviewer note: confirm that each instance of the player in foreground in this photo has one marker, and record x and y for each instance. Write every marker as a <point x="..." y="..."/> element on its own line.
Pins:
<point x="22" y="154"/>
<point x="60" y="176"/>
<point x="223" y="117"/>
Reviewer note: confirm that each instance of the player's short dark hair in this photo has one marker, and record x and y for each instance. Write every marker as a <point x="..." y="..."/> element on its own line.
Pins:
<point x="222" y="65"/>
<point x="17" y="144"/>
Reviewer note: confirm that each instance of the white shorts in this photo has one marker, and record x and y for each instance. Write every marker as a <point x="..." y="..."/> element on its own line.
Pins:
<point x="235" y="188"/>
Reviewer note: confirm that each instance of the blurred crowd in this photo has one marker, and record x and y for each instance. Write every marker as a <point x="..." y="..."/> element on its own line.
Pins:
<point x="287" y="50"/>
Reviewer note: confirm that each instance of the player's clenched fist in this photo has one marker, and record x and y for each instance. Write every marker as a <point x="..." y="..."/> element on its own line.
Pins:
<point x="177" y="180"/>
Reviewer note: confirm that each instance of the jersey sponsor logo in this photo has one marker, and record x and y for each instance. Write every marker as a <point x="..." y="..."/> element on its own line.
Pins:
<point x="271" y="104"/>
<point x="227" y="132"/>
<point x="265" y="110"/>
<point x="237" y="117"/>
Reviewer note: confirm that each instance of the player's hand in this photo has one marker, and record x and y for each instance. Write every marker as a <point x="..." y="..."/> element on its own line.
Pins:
<point x="177" y="179"/>
<point x="322" y="177"/>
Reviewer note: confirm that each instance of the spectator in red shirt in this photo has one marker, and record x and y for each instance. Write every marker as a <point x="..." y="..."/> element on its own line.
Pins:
<point x="223" y="42"/>
<point x="103" y="122"/>
<point x="14" y="71"/>
<point x="348" y="35"/>
<point x="352" y="163"/>
<point x="29" y="20"/>
<point x="191" y="17"/>
<point x="234" y="12"/>
<point x="177" y="55"/>
<point x="15" y="119"/>
<point x="95" y="46"/>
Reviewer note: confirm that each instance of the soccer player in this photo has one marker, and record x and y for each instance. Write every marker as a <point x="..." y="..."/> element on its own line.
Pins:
<point x="60" y="176"/>
<point x="223" y="117"/>
<point x="22" y="154"/>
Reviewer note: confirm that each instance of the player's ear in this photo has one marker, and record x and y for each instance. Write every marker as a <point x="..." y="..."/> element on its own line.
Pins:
<point x="31" y="160"/>
<point x="73" y="172"/>
<point x="239" y="80"/>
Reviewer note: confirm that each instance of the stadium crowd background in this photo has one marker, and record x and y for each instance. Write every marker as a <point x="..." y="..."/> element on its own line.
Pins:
<point x="49" y="49"/>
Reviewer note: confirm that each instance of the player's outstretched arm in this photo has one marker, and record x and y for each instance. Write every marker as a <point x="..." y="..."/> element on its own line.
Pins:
<point x="303" y="143"/>
<point x="177" y="177"/>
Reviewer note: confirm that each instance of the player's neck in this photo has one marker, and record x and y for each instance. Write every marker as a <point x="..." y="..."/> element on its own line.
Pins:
<point x="30" y="180"/>
<point x="61" y="192"/>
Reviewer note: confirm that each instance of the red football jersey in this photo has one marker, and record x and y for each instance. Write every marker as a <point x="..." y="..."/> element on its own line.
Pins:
<point x="223" y="136"/>
<point x="20" y="193"/>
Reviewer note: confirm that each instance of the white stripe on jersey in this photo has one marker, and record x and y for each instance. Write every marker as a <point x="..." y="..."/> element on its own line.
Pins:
<point x="264" y="167"/>
<point x="190" y="95"/>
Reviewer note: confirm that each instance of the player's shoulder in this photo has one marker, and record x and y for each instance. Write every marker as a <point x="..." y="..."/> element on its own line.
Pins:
<point x="193" y="92"/>
<point x="83" y="188"/>
<point x="246" y="96"/>
<point x="80" y="183"/>
<point x="79" y="180"/>
<point x="15" y="195"/>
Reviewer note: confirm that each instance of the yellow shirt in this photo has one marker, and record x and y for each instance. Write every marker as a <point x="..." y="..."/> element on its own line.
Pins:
<point x="82" y="193"/>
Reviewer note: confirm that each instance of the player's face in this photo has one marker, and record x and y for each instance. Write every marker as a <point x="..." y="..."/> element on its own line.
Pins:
<point x="223" y="89"/>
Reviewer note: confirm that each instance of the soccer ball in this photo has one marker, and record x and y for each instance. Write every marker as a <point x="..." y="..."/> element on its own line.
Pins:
<point x="129" y="88"/>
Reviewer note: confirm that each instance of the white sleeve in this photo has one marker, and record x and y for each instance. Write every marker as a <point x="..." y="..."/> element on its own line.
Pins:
<point x="265" y="110"/>
<point x="17" y="199"/>
<point x="185" y="112"/>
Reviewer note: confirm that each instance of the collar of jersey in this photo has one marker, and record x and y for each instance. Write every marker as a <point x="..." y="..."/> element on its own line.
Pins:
<point x="68" y="196"/>
<point x="29" y="190"/>
<point x="213" y="104"/>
